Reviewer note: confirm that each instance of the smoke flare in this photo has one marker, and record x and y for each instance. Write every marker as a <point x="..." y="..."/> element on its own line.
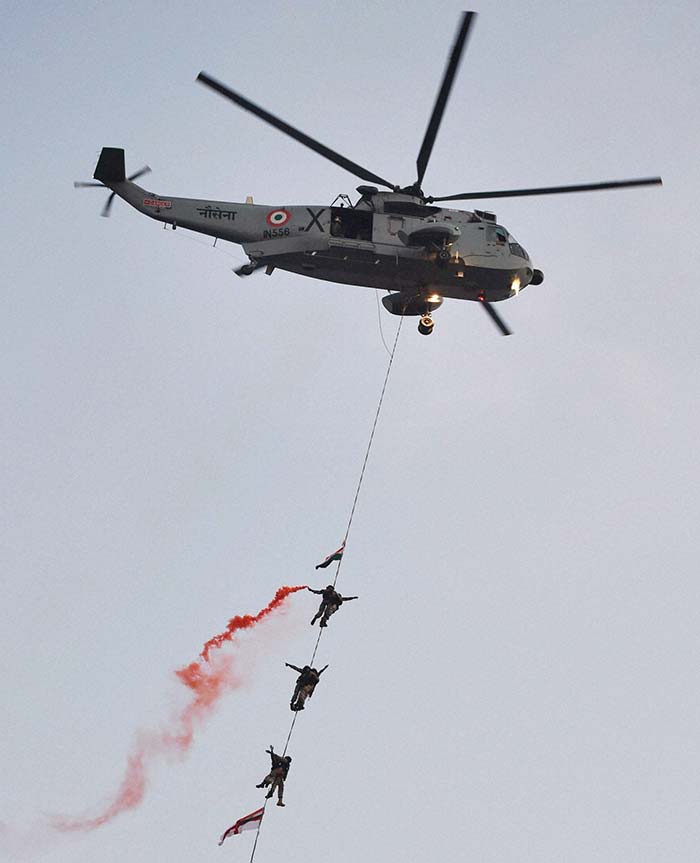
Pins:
<point x="245" y="621"/>
<point x="207" y="683"/>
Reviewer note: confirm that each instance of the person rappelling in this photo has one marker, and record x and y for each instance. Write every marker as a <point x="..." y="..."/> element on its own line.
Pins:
<point x="306" y="683"/>
<point x="330" y="603"/>
<point x="278" y="773"/>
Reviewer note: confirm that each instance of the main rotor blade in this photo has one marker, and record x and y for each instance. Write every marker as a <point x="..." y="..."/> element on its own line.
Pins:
<point x="551" y="190"/>
<point x="307" y="141"/>
<point x="443" y="94"/>
<point x="495" y="317"/>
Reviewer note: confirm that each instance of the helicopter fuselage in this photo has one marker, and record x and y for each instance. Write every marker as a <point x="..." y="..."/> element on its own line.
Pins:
<point x="388" y="240"/>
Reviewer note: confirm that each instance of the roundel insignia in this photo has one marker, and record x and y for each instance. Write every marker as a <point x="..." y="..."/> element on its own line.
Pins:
<point x="277" y="218"/>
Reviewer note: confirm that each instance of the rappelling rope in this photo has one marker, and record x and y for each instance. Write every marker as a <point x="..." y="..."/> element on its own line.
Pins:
<point x="257" y="833"/>
<point x="345" y="539"/>
<point x="369" y="446"/>
<point x="381" y="328"/>
<point x="364" y="466"/>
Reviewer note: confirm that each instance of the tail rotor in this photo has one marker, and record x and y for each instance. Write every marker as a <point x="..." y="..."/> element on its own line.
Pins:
<point x="108" y="204"/>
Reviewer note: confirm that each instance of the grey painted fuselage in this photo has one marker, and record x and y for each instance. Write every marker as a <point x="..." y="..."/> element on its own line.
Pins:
<point x="389" y="240"/>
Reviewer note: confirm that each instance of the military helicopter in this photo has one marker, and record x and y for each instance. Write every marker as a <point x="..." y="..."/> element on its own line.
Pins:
<point x="397" y="240"/>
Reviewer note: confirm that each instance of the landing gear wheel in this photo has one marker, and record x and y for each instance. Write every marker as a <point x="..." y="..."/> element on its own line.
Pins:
<point x="246" y="270"/>
<point x="425" y="327"/>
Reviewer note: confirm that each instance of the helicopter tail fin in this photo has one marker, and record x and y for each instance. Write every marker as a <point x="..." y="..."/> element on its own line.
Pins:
<point x="110" y="166"/>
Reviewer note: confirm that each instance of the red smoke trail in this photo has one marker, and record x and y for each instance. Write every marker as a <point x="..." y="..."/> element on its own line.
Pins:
<point x="207" y="683"/>
<point x="245" y="621"/>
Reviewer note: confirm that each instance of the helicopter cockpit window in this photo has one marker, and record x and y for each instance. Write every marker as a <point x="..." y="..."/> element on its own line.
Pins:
<point x="517" y="249"/>
<point x="496" y="234"/>
<point x="351" y="224"/>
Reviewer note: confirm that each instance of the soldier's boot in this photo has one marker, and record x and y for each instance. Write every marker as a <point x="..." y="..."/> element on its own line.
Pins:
<point x="280" y="803"/>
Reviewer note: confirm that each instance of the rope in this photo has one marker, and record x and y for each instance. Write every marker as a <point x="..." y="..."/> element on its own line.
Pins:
<point x="318" y="641"/>
<point x="257" y="832"/>
<point x="347" y="533"/>
<point x="381" y="328"/>
<point x="289" y="736"/>
<point x="369" y="447"/>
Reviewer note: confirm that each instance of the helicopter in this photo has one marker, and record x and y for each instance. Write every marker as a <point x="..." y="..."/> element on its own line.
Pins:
<point x="397" y="239"/>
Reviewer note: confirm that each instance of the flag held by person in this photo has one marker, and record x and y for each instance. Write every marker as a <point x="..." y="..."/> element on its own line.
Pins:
<point x="331" y="557"/>
<point x="248" y="822"/>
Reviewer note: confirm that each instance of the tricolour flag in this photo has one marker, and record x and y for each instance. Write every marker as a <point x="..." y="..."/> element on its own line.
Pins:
<point x="248" y="822"/>
<point x="331" y="557"/>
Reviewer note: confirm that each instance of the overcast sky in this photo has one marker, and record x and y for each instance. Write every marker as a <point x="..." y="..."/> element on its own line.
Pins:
<point x="518" y="680"/>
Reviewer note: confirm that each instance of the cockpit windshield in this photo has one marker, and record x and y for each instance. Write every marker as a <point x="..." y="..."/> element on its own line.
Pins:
<point x="517" y="250"/>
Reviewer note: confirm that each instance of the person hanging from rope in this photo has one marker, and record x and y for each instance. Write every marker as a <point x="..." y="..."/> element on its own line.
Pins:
<point x="278" y="773"/>
<point x="330" y="603"/>
<point x="306" y="683"/>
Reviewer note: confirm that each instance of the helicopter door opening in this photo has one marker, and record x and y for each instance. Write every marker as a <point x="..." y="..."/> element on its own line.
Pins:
<point x="351" y="224"/>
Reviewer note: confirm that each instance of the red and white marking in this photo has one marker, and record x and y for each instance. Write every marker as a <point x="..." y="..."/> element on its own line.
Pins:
<point x="277" y="218"/>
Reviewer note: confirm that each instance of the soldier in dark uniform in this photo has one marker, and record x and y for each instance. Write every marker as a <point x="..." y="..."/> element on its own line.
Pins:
<point x="278" y="773"/>
<point x="306" y="683"/>
<point x="330" y="603"/>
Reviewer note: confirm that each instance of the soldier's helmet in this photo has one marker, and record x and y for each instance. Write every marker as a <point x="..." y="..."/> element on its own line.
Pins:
<point x="330" y="587"/>
<point x="288" y="759"/>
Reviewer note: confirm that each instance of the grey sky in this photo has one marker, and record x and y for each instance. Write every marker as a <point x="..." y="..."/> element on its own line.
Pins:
<point x="517" y="681"/>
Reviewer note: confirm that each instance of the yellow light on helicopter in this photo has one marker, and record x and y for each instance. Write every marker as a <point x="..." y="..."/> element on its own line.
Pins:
<point x="434" y="298"/>
<point x="515" y="286"/>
